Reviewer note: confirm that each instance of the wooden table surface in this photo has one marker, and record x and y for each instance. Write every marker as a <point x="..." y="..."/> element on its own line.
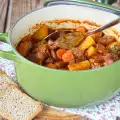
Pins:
<point x="11" y="10"/>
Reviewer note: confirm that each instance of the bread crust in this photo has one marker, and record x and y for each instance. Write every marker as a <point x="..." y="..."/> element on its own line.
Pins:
<point x="49" y="113"/>
<point x="5" y="79"/>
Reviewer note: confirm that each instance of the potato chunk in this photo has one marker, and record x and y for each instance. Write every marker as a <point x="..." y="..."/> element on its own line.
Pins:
<point x="40" y="34"/>
<point x="91" y="51"/>
<point x="89" y="41"/>
<point x="24" y="47"/>
<point x="84" y="65"/>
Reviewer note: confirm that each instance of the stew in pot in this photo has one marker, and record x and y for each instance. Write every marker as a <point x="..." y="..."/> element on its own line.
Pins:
<point x="69" y="50"/>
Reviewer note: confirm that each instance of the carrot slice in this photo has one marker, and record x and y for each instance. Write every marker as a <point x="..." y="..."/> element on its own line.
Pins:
<point x="60" y="53"/>
<point x="82" y="29"/>
<point x="50" y="65"/>
<point x="68" y="56"/>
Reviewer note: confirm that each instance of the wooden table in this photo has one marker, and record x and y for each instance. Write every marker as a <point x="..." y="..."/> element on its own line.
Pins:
<point x="11" y="10"/>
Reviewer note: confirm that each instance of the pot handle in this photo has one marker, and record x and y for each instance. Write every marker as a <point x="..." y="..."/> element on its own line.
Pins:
<point x="4" y="37"/>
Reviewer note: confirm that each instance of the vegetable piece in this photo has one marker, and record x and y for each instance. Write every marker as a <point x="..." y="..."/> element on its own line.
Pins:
<point x="63" y="69"/>
<point x="26" y="38"/>
<point x="39" y="62"/>
<point x="89" y="41"/>
<point x="50" y="65"/>
<point x="24" y="47"/>
<point x="60" y="53"/>
<point x="82" y="29"/>
<point x="67" y="56"/>
<point x="111" y="45"/>
<point x="114" y="49"/>
<point x="91" y="51"/>
<point x="84" y="65"/>
<point x="78" y="40"/>
<point x="40" y="34"/>
<point x="70" y="40"/>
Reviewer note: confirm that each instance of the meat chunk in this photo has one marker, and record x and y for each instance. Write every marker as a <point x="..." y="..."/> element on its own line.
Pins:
<point x="78" y="54"/>
<point x="49" y="60"/>
<point x="73" y="62"/>
<point x="106" y="40"/>
<point x="52" y="44"/>
<point x="60" y="64"/>
<point x="42" y="52"/>
<point x="108" y="59"/>
<point x="94" y="63"/>
<point x="53" y="54"/>
<point x="101" y="48"/>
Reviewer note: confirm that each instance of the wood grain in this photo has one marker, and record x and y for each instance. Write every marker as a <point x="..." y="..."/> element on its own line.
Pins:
<point x="21" y="7"/>
<point x="3" y="13"/>
<point x="118" y="2"/>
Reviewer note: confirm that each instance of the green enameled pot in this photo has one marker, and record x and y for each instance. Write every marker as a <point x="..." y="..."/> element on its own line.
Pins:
<point x="58" y="87"/>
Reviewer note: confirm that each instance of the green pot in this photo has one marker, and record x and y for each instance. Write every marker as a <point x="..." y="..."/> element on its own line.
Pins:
<point x="57" y="87"/>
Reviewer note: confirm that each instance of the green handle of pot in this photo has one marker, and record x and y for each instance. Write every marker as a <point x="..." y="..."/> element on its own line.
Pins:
<point x="4" y="37"/>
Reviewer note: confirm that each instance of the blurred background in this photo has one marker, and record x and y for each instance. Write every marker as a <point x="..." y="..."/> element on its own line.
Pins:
<point x="110" y="2"/>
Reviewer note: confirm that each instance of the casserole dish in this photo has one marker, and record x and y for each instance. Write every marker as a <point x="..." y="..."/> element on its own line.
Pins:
<point x="62" y="88"/>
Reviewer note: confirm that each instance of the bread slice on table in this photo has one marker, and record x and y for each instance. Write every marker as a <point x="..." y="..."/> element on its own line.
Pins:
<point x="49" y="113"/>
<point x="5" y="81"/>
<point x="16" y="105"/>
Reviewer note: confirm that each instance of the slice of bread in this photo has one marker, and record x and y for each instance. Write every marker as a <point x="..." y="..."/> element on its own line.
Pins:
<point x="49" y="113"/>
<point x="5" y="81"/>
<point x="16" y="105"/>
